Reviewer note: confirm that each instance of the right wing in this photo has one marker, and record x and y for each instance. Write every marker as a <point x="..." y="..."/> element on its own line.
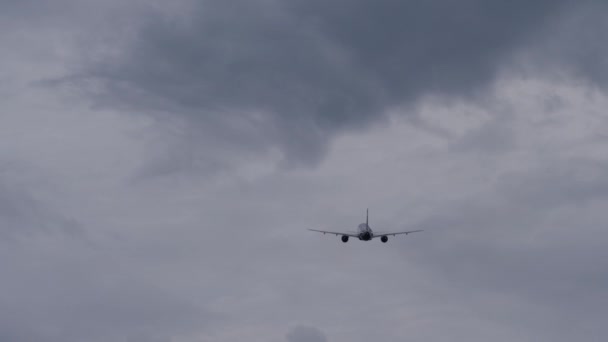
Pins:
<point x="335" y="233"/>
<point x="376" y="235"/>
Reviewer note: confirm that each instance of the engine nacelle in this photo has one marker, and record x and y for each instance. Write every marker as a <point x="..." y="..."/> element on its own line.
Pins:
<point x="344" y="238"/>
<point x="384" y="238"/>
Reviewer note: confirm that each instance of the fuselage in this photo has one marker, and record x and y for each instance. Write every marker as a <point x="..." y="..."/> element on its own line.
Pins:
<point x="365" y="232"/>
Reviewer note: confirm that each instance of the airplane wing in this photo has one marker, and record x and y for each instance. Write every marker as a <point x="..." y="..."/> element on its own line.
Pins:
<point x="395" y="233"/>
<point x="335" y="233"/>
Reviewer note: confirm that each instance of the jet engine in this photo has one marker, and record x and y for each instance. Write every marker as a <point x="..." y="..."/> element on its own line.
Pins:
<point x="384" y="238"/>
<point x="344" y="238"/>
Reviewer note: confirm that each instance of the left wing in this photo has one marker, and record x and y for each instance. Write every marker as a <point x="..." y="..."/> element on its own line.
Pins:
<point x="376" y="235"/>
<point x="335" y="233"/>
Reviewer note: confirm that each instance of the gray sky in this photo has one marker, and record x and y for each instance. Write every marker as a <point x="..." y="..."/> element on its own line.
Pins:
<point x="160" y="163"/>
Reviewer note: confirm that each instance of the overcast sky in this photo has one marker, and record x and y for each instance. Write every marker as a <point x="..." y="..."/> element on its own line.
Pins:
<point x="160" y="163"/>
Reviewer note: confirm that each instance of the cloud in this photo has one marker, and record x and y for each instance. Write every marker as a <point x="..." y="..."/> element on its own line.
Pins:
<point x="61" y="300"/>
<point x="567" y="47"/>
<point x="306" y="334"/>
<point x="295" y="73"/>
<point x="21" y="215"/>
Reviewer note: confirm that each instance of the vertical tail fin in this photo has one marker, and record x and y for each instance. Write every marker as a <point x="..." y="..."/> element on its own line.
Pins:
<point x="367" y="217"/>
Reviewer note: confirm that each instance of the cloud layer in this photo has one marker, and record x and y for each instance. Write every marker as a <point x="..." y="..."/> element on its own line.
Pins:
<point x="149" y="202"/>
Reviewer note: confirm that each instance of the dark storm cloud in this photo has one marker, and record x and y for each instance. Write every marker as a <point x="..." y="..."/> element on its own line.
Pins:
<point x="296" y="72"/>
<point x="572" y="44"/>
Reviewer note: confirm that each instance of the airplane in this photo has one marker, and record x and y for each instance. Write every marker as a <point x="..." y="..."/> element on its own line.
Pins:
<point x="365" y="233"/>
